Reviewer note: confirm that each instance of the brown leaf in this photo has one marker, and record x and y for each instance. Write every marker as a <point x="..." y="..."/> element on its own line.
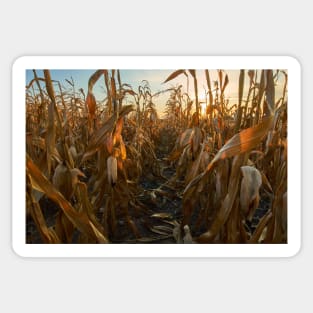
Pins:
<point x="118" y="131"/>
<point x="174" y="75"/>
<point x="251" y="74"/>
<point x="245" y="141"/>
<point x="79" y="219"/>
<point x="98" y="138"/>
<point x="193" y="172"/>
<point x="129" y="91"/>
<point x="48" y="235"/>
<point x="196" y="141"/>
<point x="226" y="81"/>
<point x="227" y="204"/>
<point x="185" y="138"/>
<point x="91" y="104"/>
<point x="193" y="73"/>
<point x="123" y="149"/>
<point x="221" y="181"/>
<point x="109" y="142"/>
<point x="161" y="230"/>
<point x="260" y="228"/>
<point x="162" y="215"/>
<point x="93" y="79"/>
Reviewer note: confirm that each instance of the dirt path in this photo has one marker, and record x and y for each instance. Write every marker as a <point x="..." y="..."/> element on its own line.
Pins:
<point x="162" y="209"/>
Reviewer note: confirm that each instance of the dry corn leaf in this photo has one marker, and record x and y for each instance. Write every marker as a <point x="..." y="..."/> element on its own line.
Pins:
<point x="161" y="230"/>
<point x="245" y="141"/>
<point x="226" y="81"/>
<point x="162" y="215"/>
<point x="72" y="150"/>
<point x="118" y="131"/>
<point x="91" y="104"/>
<point x="196" y="141"/>
<point x="205" y="160"/>
<point x="182" y="141"/>
<point x="98" y="139"/>
<point x="221" y="180"/>
<point x="109" y="143"/>
<point x="251" y="74"/>
<point x="123" y="149"/>
<point x="185" y="138"/>
<point x="132" y="225"/>
<point x="93" y="79"/>
<point x="65" y="228"/>
<point x="193" y="73"/>
<point x="193" y="172"/>
<point x="260" y="228"/>
<point x="80" y="220"/>
<point x="266" y="182"/>
<point x="48" y="235"/>
<point x="227" y="204"/>
<point x="39" y="142"/>
<point x="174" y="75"/>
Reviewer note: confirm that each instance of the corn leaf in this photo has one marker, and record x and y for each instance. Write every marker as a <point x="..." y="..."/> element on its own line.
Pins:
<point x="99" y="138"/>
<point x="174" y="75"/>
<point x="78" y="219"/>
<point x="243" y="142"/>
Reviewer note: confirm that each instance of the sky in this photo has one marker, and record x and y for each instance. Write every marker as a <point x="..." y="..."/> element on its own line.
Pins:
<point x="155" y="79"/>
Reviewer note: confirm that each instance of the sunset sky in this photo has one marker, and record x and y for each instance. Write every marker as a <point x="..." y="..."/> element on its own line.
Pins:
<point x="155" y="79"/>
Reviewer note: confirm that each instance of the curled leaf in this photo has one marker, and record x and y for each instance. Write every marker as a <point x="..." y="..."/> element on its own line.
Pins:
<point x="99" y="137"/>
<point x="174" y="75"/>
<point x="242" y="142"/>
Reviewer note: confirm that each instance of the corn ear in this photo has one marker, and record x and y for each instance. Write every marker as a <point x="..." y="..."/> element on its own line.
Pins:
<point x="112" y="170"/>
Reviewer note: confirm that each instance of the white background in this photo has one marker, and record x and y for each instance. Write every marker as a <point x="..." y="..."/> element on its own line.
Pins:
<point x="155" y="28"/>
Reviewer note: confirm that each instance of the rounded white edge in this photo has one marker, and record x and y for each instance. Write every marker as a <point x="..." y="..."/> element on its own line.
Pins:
<point x="23" y="250"/>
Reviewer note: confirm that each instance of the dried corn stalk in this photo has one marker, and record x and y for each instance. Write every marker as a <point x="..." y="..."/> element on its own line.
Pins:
<point x="79" y="220"/>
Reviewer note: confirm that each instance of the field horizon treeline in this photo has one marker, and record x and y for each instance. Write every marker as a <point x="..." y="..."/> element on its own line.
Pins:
<point x="207" y="171"/>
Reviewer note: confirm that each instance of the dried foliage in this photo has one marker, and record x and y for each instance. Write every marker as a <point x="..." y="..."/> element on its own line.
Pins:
<point x="111" y="172"/>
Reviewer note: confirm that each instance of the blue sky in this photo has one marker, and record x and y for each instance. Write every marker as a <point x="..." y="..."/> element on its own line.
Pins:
<point x="155" y="79"/>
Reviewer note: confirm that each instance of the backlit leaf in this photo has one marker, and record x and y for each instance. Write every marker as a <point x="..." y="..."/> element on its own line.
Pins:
<point x="174" y="75"/>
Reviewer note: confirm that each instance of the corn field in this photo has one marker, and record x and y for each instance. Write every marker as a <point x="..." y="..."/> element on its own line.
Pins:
<point x="122" y="171"/>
